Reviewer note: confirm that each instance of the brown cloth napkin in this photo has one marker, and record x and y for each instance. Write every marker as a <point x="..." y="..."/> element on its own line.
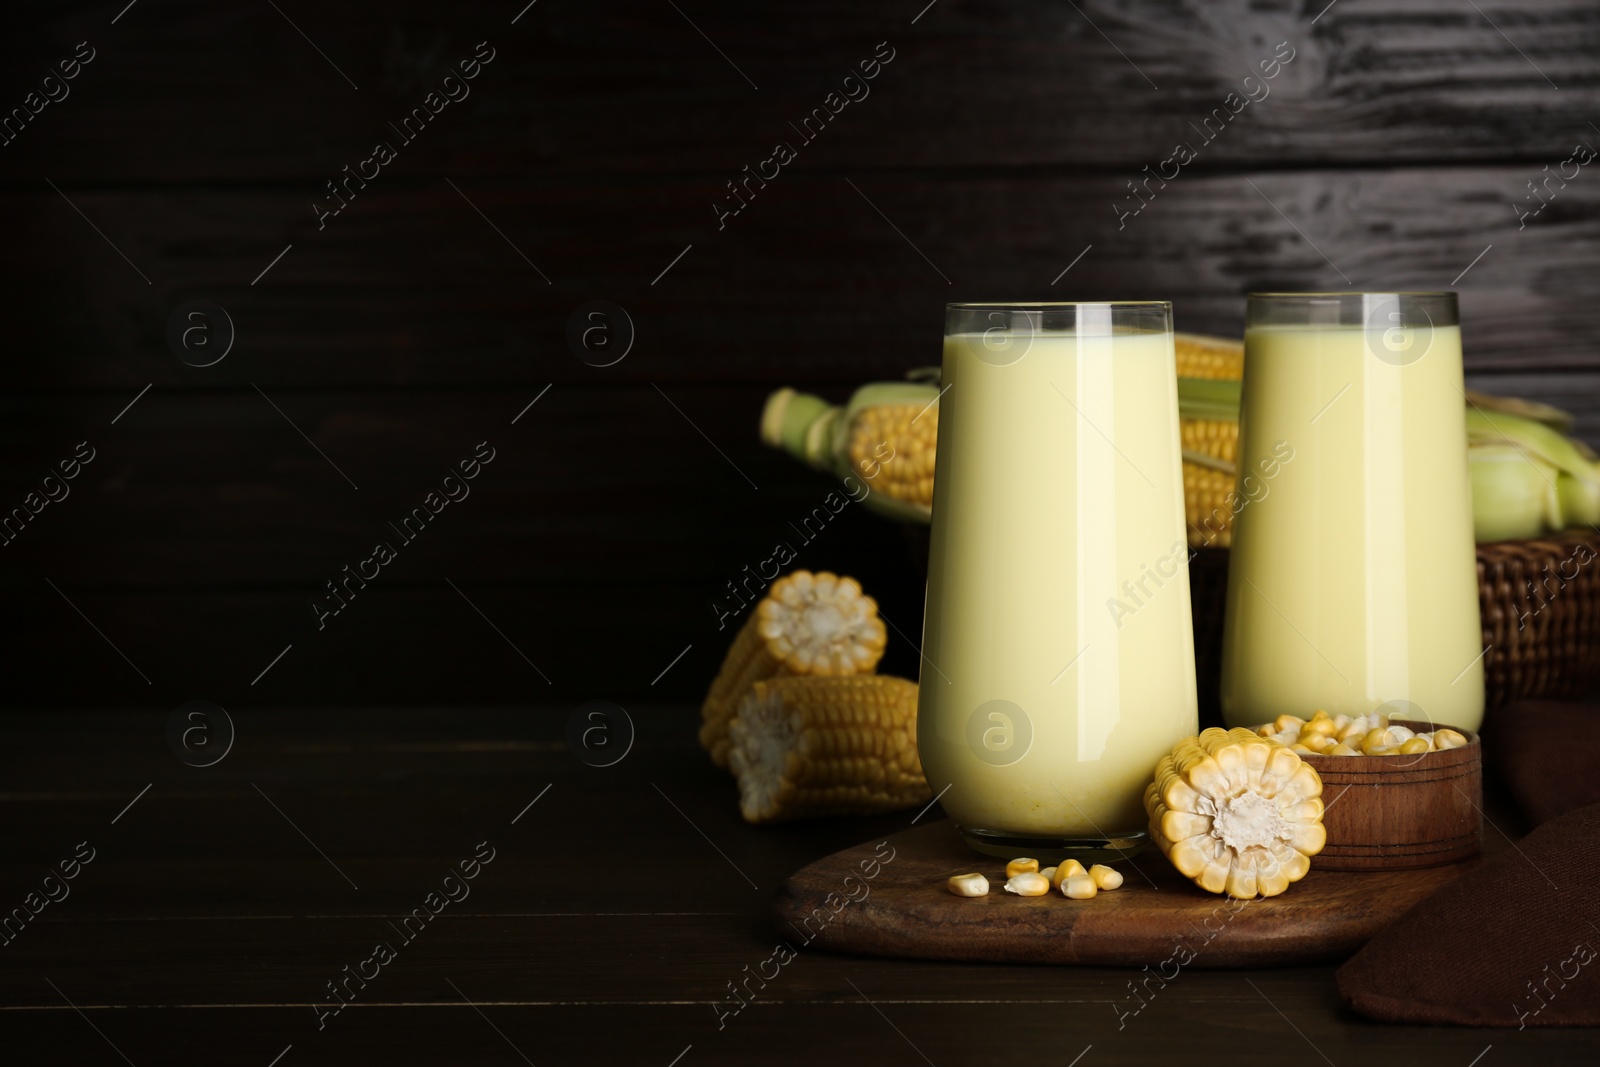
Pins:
<point x="1553" y="768"/>
<point x="1515" y="942"/>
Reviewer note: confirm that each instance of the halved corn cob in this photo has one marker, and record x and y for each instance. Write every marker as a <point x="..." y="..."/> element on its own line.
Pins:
<point x="827" y="746"/>
<point x="1236" y="813"/>
<point x="807" y="624"/>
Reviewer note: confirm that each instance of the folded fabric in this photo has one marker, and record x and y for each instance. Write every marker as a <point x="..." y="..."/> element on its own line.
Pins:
<point x="1513" y="943"/>
<point x="1548" y="754"/>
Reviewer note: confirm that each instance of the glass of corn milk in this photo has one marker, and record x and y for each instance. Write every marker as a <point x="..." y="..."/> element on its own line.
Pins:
<point x="1352" y="583"/>
<point x="1058" y="654"/>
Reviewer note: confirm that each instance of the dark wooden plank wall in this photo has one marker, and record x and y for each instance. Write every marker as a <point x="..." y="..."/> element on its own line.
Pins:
<point x="1391" y="152"/>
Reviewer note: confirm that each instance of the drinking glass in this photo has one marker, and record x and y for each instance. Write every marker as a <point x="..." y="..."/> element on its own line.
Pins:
<point x="1352" y="582"/>
<point x="1058" y="655"/>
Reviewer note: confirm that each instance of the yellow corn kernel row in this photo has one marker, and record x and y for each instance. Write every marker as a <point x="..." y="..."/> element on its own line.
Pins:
<point x="840" y="745"/>
<point x="1200" y="356"/>
<point x="807" y="624"/>
<point x="1025" y="879"/>
<point x="1361" y="735"/>
<point x="1207" y="512"/>
<point x="892" y="446"/>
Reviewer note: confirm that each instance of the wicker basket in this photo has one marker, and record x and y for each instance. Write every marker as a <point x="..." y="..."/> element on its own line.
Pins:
<point x="1540" y="602"/>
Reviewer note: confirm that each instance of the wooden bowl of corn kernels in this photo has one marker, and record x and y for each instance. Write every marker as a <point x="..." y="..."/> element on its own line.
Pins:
<point x="1397" y="812"/>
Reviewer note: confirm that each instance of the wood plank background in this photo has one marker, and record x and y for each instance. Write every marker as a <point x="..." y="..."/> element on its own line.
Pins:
<point x="1393" y="151"/>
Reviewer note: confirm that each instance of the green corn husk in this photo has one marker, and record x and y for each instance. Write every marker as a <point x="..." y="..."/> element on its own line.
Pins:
<point x="1208" y="398"/>
<point x="1553" y="417"/>
<point x="1513" y="493"/>
<point x="1580" y="500"/>
<point x="1535" y="438"/>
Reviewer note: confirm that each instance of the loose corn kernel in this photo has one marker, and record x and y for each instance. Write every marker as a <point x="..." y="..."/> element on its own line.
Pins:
<point x="1028" y="884"/>
<point x="1079" y="887"/>
<point x="1105" y="877"/>
<point x="1066" y="869"/>
<point x="1413" y="745"/>
<point x="1288" y="722"/>
<point x="968" y="885"/>
<point x="1341" y="749"/>
<point x="1447" y="738"/>
<point x="1022" y="865"/>
<point x="1049" y="874"/>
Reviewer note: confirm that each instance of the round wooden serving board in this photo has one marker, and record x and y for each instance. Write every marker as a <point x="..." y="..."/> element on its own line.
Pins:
<point x="888" y="898"/>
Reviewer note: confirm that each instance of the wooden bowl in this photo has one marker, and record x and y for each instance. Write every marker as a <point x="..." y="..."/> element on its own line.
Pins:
<point x="1400" y="812"/>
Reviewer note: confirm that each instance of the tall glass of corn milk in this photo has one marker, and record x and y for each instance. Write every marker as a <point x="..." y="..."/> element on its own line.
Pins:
<point x="1058" y="655"/>
<point x="1352" y="583"/>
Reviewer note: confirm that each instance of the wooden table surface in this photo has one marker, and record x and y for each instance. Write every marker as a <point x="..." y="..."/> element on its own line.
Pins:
<point x="616" y="906"/>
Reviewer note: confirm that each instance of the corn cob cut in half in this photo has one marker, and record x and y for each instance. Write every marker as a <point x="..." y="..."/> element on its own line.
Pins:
<point x="1236" y="813"/>
<point x="807" y="624"/>
<point x="827" y="746"/>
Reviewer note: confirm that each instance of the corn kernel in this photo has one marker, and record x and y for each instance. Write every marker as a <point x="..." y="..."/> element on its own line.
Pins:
<point x="1022" y="866"/>
<point x="1413" y="745"/>
<point x="1066" y="869"/>
<point x="1079" y="887"/>
<point x="1447" y="738"/>
<point x="1049" y="874"/>
<point x="968" y="885"/>
<point x="1028" y="884"/>
<point x="1105" y="877"/>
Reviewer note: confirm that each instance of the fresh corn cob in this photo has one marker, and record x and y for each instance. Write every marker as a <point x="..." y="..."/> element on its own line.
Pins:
<point x="884" y="437"/>
<point x="1236" y="813"/>
<point x="1208" y="427"/>
<point x="827" y="746"/>
<point x="807" y="624"/>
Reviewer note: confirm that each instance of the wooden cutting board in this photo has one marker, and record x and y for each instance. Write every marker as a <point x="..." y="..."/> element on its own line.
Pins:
<point x="887" y="897"/>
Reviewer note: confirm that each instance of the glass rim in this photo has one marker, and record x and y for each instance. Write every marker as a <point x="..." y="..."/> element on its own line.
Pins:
<point x="1348" y="294"/>
<point x="1028" y="304"/>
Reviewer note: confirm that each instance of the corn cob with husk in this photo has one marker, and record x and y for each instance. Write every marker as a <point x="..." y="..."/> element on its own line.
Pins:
<point x="827" y="746"/>
<point x="808" y="624"/>
<point x="884" y="437"/>
<point x="1527" y="477"/>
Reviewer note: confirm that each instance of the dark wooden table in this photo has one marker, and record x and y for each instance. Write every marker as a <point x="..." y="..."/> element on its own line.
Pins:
<point x="618" y="905"/>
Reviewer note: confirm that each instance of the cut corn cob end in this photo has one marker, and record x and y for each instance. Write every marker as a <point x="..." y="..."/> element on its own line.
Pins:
<point x="1236" y="813"/>
<point x="807" y="624"/>
<point x="827" y="746"/>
